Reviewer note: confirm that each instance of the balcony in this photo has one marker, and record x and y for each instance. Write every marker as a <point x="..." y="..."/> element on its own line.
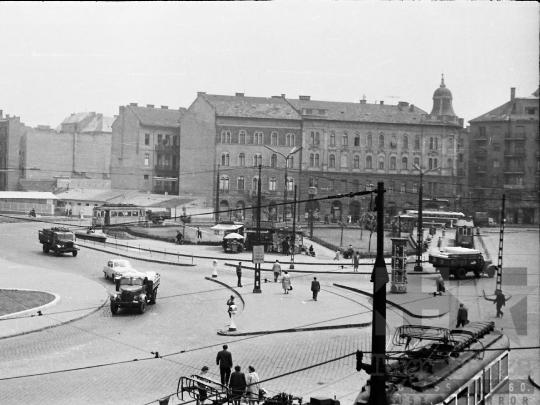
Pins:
<point x="163" y="147"/>
<point x="515" y="153"/>
<point x="514" y="170"/>
<point x="514" y="137"/>
<point x="514" y="186"/>
<point x="480" y="138"/>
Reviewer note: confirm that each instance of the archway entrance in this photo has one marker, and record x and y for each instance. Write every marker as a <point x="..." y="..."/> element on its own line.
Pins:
<point x="240" y="213"/>
<point x="354" y="211"/>
<point x="223" y="208"/>
<point x="335" y="211"/>
<point x="272" y="212"/>
<point x="315" y="210"/>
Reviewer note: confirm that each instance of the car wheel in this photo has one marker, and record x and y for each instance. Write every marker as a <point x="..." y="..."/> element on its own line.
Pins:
<point x="45" y="248"/>
<point x="154" y="297"/>
<point x="142" y="307"/>
<point x="56" y="251"/>
<point x="461" y="273"/>
<point x="114" y="309"/>
<point x="75" y="253"/>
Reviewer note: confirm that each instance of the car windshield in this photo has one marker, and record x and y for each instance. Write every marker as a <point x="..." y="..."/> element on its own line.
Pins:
<point x="65" y="236"/>
<point x="121" y="264"/>
<point x="131" y="281"/>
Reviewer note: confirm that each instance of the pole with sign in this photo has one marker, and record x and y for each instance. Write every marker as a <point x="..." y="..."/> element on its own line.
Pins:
<point x="258" y="258"/>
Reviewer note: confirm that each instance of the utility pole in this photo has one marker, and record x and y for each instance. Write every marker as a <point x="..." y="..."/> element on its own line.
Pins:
<point x="379" y="278"/>
<point x="501" y="241"/>
<point x="257" y="284"/>
<point x="291" y="266"/>
<point x="217" y="196"/>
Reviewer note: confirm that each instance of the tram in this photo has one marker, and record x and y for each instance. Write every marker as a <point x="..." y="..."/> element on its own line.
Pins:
<point x="438" y="218"/>
<point x="114" y="214"/>
<point x="439" y="366"/>
<point x="464" y="234"/>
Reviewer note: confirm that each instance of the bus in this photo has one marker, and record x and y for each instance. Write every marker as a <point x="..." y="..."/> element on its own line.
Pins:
<point x="437" y="218"/>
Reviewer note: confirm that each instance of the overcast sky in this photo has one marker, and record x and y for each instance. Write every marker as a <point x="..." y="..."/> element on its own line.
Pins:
<point x="57" y="59"/>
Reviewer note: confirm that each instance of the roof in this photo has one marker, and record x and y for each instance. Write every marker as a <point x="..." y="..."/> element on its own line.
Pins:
<point x="160" y="117"/>
<point x="361" y="112"/>
<point x="28" y="195"/>
<point x="504" y="112"/>
<point x="76" y="117"/>
<point x="252" y="107"/>
<point x="37" y="185"/>
<point x="99" y="124"/>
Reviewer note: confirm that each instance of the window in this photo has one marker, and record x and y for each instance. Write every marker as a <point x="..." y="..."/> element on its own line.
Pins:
<point x="257" y="159"/>
<point x="460" y="157"/>
<point x="482" y="132"/>
<point x="147" y="139"/>
<point x="369" y="141"/>
<point x="290" y="184"/>
<point x="258" y="138"/>
<point x="224" y="182"/>
<point x="431" y="143"/>
<point x="313" y="182"/>
<point x="146" y="159"/>
<point x="415" y="188"/>
<point x="240" y="183"/>
<point x="417" y="161"/>
<point x="417" y="143"/>
<point x="450" y="143"/>
<point x="381" y="163"/>
<point x="504" y="367"/>
<point x="332" y="161"/>
<point x="290" y="139"/>
<point x="241" y="160"/>
<point x="332" y="139"/>
<point x="224" y="159"/>
<point x="160" y="139"/>
<point x="344" y="161"/>
<point x="146" y="177"/>
<point x="391" y="187"/>
<point x="403" y="188"/>
<point x="311" y="159"/>
<point x="435" y="165"/>
<point x="496" y="163"/>
<point x="345" y="140"/>
<point x="430" y="165"/>
<point x="530" y="111"/>
<point x="405" y="142"/>
<point x="254" y="183"/>
<point x="404" y="163"/>
<point x="496" y="146"/>
<point x="436" y="143"/>
<point x="290" y="162"/>
<point x="369" y="162"/>
<point x="316" y="160"/>
<point x="309" y="111"/>
<point x="357" y="140"/>
<point x="393" y="163"/>
<point x="274" y="139"/>
<point x="495" y="181"/>
<point x="273" y="160"/>
<point x="381" y="141"/>
<point x="167" y="140"/>
<point x="450" y="164"/>
<point x="356" y="185"/>
<point x="356" y="162"/>
<point x="242" y="137"/>
<point x="343" y="184"/>
<point x="225" y="137"/>
<point x="272" y="184"/>
<point x="495" y="375"/>
<point x="314" y="138"/>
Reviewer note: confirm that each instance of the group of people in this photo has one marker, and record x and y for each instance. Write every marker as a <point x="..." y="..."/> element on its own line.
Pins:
<point x="285" y="278"/>
<point x="180" y="238"/>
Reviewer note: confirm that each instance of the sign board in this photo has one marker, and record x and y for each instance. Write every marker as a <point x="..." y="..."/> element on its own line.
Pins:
<point x="312" y="191"/>
<point x="258" y="254"/>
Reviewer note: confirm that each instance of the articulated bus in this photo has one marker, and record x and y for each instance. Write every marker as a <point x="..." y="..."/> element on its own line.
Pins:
<point x="438" y="218"/>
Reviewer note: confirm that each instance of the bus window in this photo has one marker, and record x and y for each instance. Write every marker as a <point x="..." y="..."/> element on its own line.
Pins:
<point x="114" y="214"/>
<point x="504" y="367"/>
<point x="462" y="397"/>
<point x="472" y="393"/>
<point x="135" y="213"/>
<point x="486" y="381"/>
<point x="495" y="375"/>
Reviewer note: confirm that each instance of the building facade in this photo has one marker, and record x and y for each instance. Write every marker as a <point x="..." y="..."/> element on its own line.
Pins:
<point x="505" y="159"/>
<point x="11" y="131"/>
<point x="223" y="144"/>
<point x="146" y="149"/>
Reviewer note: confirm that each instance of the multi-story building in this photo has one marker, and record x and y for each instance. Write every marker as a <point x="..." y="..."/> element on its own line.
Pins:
<point x="11" y="131"/>
<point x="352" y="146"/>
<point x="223" y="144"/>
<point x="146" y="148"/>
<point x="505" y="159"/>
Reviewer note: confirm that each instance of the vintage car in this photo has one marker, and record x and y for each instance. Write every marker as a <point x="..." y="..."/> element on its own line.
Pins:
<point x="117" y="267"/>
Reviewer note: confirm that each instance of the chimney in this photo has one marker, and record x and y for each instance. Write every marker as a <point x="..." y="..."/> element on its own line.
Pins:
<point x="164" y="107"/>
<point x="403" y="104"/>
<point x="306" y="98"/>
<point x="382" y="102"/>
<point x="412" y="108"/>
<point x="200" y="93"/>
<point x="512" y="93"/>
<point x="282" y="95"/>
<point x="150" y="105"/>
<point x="239" y="94"/>
<point x="133" y="104"/>
<point x="461" y="122"/>
<point x="363" y="101"/>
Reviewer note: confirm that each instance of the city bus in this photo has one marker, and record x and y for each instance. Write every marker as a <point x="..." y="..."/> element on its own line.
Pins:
<point x="437" y="218"/>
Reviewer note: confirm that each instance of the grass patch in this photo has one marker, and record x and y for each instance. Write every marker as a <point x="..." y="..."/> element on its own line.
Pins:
<point x="16" y="301"/>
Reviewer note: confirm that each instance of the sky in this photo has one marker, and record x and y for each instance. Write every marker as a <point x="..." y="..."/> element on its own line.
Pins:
<point x="62" y="58"/>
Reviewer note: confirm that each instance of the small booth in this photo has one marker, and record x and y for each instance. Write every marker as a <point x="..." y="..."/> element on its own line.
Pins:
<point x="399" y="265"/>
<point x="272" y="235"/>
<point x="233" y="235"/>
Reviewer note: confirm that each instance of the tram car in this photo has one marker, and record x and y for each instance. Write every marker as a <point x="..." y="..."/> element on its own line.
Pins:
<point x="439" y="366"/>
<point x="464" y="234"/>
<point x="437" y="218"/>
<point x="115" y="214"/>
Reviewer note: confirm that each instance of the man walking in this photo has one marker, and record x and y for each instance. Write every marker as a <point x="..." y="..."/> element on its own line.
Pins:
<point x="500" y="300"/>
<point x="462" y="315"/>
<point x="276" y="268"/>
<point x="199" y="233"/>
<point x="356" y="261"/>
<point x="440" y="285"/>
<point x="315" y="288"/>
<point x="225" y="363"/>
<point x="439" y="243"/>
<point x="239" y="273"/>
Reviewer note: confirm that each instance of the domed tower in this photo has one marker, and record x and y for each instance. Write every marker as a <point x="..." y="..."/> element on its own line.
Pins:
<point x="442" y="101"/>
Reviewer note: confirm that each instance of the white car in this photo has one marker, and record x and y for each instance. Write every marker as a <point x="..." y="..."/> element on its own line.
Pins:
<point x="117" y="267"/>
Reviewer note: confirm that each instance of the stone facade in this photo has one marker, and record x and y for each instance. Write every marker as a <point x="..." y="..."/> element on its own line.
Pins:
<point x="505" y="159"/>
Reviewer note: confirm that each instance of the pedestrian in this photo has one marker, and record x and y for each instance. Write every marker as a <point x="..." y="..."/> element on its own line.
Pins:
<point x="253" y="386"/>
<point x="199" y="233"/>
<point x="276" y="268"/>
<point x="286" y="282"/>
<point x="237" y="385"/>
<point x="336" y="257"/>
<point x="230" y="302"/>
<point x="225" y="363"/>
<point x="440" y="285"/>
<point x="311" y="251"/>
<point x="439" y="242"/>
<point x="356" y="261"/>
<point x="239" y="273"/>
<point x="285" y="247"/>
<point x="315" y="288"/>
<point x="349" y="219"/>
<point x="462" y="315"/>
<point x="500" y="300"/>
<point x="443" y="231"/>
<point x="179" y="237"/>
<point x="202" y="388"/>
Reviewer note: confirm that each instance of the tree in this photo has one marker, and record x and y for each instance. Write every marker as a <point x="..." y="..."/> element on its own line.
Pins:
<point x="368" y="221"/>
<point x="186" y="219"/>
<point x="342" y="225"/>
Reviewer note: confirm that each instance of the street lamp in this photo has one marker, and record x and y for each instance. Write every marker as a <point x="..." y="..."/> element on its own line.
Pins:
<point x="292" y="152"/>
<point x="420" y="233"/>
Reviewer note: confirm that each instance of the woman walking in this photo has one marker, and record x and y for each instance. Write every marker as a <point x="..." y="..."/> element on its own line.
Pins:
<point x="253" y="386"/>
<point x="286" y="281"/>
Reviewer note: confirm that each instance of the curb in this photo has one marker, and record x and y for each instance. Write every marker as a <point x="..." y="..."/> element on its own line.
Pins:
<point x="47" y="305"/>
<point x="347" y="326"/>
<point x="390" y="303"/>
<point x="60" y="323"/>
<point x="230" y="288"/>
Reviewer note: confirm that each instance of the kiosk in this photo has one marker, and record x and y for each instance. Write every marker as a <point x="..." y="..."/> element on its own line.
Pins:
<point x="399" y="265"/>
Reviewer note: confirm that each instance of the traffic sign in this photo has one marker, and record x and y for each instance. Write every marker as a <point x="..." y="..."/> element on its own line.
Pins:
<point x="258" y="254"/>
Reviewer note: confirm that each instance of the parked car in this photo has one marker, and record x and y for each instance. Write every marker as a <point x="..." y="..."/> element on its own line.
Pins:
<point x="116" y="268"/>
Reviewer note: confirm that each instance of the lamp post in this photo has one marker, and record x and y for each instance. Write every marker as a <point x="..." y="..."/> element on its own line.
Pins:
<point x="292" y="152"/>
<point x="312" y="191"/>
<point x="420" y="233"/>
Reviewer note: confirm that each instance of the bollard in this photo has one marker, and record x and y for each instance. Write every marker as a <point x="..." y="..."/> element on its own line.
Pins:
<point x="232" y="311"/>
<point x="214" y="273"/>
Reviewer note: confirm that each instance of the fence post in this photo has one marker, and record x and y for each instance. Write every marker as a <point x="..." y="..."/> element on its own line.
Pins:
<point x="178" y="257"/>
<point x="192" y="258"/>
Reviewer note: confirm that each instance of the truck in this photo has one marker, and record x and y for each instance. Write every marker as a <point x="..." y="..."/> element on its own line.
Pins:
<point x="158" y="214"/>
<point x="59" y="240"/>
<point x="459" y="261"/>
<point x="136" y="290"/>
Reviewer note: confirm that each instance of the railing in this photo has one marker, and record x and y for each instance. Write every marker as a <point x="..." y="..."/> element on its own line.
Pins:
<point x="514" y="137"/>
<point x="517" y="153"/>
<point x="514" y="170"/>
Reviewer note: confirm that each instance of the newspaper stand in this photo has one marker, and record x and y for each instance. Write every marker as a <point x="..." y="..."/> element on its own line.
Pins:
<point x="399" y="265"/>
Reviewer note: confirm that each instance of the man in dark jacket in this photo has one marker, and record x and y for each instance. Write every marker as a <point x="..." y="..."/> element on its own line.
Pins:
<point x="315" y="288"/>
<point x="225" y="363"/>
<point x="237" y="385"/>
<point x="500" y="300"/>
<point x="239" y="273"/>
<point x="462" y="315"/>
